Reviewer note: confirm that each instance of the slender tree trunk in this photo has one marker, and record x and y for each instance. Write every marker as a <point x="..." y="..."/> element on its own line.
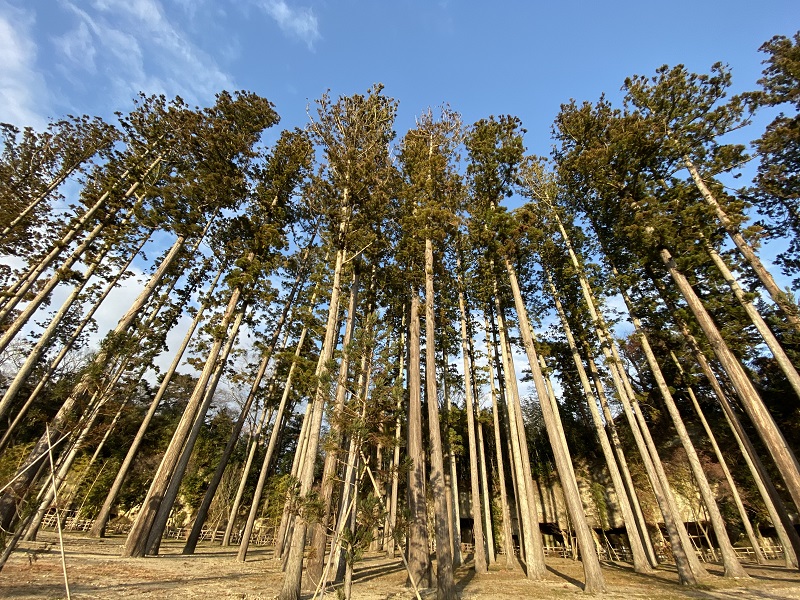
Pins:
<point x="769" y="338"/>
<point x="68" y="501"/>
<point x="137" y="541"/>
<point x="64" y="466"/>
<point x="18" y="291"/>
<point x="784" y="527"/>
<point x="765" y="425"/>
<point x="287" y="518"/>
<point x="689" y="568"/>
<point x="100" y="522"/>
<point x="44" y="291"/>
<point x="392" y="518"/>
<point x="64" y="173"/>
<point x="21" y="377"/>
<point x="202" y="511"/>
<point x="26" y="474"/>
<point x="445" y="585"/>
<point x="266" y="418"/>
<point x="622" y="462"/>
<point x="783" y="523"/>
<point x="418" y="554"/>
<point x="508" y="539"/>
<point x="487" y="503"/>
<point x="220" y="358"/>
<point x="319" y="530"/>
<point x="733" y="567"/>
<point x="294" y="566"/>
<point x="528" y="512"/>
<point x="748" y="526"/>
<point x="477" y="513"/>
<point x="591" y="564"/>
<point x="348" y="505"/>
<point x="49" y="332"/>
<point x="640" y="560"/>
<point x="452" y="496"/>
<point x="786" y="305"/>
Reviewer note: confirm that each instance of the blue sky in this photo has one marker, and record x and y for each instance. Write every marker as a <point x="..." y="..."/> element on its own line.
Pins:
<point x="523" y="58"/>
<point x="61" y="57"/>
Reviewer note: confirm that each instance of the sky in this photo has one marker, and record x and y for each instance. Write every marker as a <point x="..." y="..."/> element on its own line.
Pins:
<point x="505" y="57"/>
<point x="525" y="58"/>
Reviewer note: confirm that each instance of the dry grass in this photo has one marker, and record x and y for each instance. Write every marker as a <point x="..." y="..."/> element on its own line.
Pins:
<point x="96" y="570"/>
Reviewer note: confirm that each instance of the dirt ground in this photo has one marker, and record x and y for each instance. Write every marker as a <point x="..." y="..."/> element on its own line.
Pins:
<point x="95" y="570"/>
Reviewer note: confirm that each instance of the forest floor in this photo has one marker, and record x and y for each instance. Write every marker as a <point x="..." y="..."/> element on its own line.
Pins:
<point x="96" y="570"/>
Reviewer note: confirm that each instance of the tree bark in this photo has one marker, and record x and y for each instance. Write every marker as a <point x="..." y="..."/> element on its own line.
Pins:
<point x="765" y="425"/>
<point x="418" y="554"/>
<point x="477" y="513"/>
<point x="528" y="512"/>
<point x="508" y="540"/>
<point x="769" y="338"/>
<point x="786" y="305"/>
<point x="27" y="472"/>
<point x="99" y="527"/>
<point x="445" y="585"/>
<point x="294" y="566"/>
<point x="640" y="560"/>
<point x="319" y="530"/>
<point x="136" y="544"/>
<point x="41" y="345"/>
<point x="733" y="567"/>
<point x="220" y="358"/>
<point x="202" y="511"/>
<point x="594" y="581"/>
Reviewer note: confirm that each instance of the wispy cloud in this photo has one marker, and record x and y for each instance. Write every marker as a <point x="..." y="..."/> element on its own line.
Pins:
<point x="143" y="50"/>
<point x="297" y="22"/>
<point x="77" y="48"/>
<point x="23" y="93"/>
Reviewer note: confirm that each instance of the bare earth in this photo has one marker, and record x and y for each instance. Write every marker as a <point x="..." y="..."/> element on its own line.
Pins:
<point x="96" y="570"/>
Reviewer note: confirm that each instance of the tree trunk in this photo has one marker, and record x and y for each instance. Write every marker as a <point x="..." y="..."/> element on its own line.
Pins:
<point x="487" y="503"/>
<point x="452" y="496"/>
<point x="748" y="527"/>
<point x="689" y="568"/>
<point x="418" y="554"/>
<point x="445" y="586"/>
<point x="319" y="530"/>
<point x="137" y="540"/>
<point x="733" y="567"/>
<point x="392" y="518"/>
<point x="508" y="539"/>
<point x="640" y="560"/>
<point x="786" y="305"/>
<point x="17" y="292"/>
<point x="765" y="425"/>
<point x="622" y="462"/>
<point x="41" y="344"/>
<point x="202" y="511"/>
<point x="784" y="527"/>
<point x="528" y="512"/>
<point x="474" y="476"/>
<point x="294" y="566"/>
<point x="769" y="338"/>
<point x="220" y="358"/>
<point x="100" y="522"/>
<point x="591" y="564"/>
<point x="26" y="474"/>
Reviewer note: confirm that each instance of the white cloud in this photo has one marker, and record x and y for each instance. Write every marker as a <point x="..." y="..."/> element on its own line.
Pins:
<point x="143" y="50"/>
<point x="297" y="22"/>
<point x="78" y="48"/>
<point x="23" y="98"/>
